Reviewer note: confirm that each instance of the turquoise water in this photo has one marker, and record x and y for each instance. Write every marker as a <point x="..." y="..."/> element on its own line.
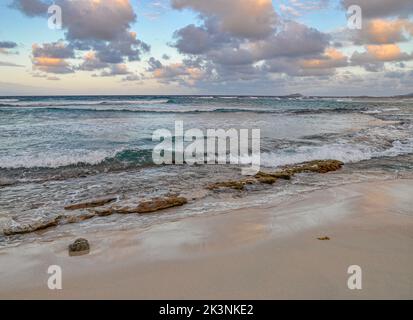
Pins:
<point x="54" y="150"/>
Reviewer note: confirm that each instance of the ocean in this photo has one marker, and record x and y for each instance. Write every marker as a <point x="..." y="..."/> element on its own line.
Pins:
<point x="58" y="150"/>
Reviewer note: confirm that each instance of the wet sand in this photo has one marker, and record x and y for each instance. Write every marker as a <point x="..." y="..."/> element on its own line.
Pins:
<point x="257" y="253"/>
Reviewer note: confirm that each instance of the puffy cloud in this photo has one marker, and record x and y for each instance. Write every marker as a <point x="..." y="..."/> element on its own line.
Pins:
<point x="99" y="26"/>
<point x="294" y="40"/>
<point x="381" y="31"/>
<point x="387" y="52"/>
<point x="332" y="58"/>
<point x="241" y="18"/>
<point x="382" y="8"/>
<point x="51" y="57"/>
<point x="54" y="50"/>
<point x="91" y="62"/>
<point x="51" y="65"/>
<point x="375" y="56"/>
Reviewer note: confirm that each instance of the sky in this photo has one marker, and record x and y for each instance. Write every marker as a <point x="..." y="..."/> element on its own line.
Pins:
<point x="233" y="47"/>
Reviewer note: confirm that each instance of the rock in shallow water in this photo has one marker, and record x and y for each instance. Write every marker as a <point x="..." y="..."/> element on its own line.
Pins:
<point x="148" y="206"/>
<point x="15" y="227"/>
<point x="91" y="203"/>
<point x="317" y="166"/>
<point x="79" y="248"/>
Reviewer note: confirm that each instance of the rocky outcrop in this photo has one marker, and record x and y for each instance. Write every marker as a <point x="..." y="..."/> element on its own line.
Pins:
<point x="318" y="166"/>
<point x="237" y="185"/>
<point x="79" y="248"/>
<point x="14" y="227"/>
<point x="149" y="206"/>
<point x="91" y="203"/>
<point x="286" y="173"/>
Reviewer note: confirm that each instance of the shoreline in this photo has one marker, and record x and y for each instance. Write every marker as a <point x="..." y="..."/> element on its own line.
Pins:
<point x="257" y="253"/>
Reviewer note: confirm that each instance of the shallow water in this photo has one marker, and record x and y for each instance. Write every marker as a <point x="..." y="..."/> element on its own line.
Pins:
<point x="54" y="151"/>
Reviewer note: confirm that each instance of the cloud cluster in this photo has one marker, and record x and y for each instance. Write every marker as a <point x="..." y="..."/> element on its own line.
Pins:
<point x="245" y="40"/>
<point x="99" y="27"/>
<point x="241" y="18"/>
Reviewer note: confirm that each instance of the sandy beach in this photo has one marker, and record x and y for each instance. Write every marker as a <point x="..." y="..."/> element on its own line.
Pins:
<point x="257" y="253"/>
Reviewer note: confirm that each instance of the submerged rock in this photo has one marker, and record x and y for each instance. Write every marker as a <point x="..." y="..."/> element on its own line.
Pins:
<point x="91" y="203"/>
<point x="15" y="227"/>
<point x="79" y="248"/>
<point x="237" y="185"/>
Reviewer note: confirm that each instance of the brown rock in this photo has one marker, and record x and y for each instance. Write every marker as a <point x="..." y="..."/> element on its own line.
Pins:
<point x="267" y="180"/>
<point x="318" y="166"/>
<point x="154" y="205"/>
<point x="324" y="239"/>
<point x="79" y="248"/>
<point x="32" y="226"/>
<point x="237" y="185"/>
<point x="91" y="203"/>
<point x="276" y="175"/>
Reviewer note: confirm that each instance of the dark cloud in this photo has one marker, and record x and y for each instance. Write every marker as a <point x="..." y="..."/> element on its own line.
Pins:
<point x="31" y="7"/>
<point x="8" y="45"/>
<point x="154" y="64"/>
<point x="53" y="50"/>
<point x="382" y="8"/>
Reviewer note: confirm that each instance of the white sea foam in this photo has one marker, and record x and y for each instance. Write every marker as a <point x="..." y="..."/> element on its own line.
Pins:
<point x="347" y="153"/>
<point x="55" y="159"/>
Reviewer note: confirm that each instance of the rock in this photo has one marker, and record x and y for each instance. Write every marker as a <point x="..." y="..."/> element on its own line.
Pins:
<point x="69" y="219"/>
<point x="27" y="227"/>
<point x="237" y="185"/>
<point x="149" y="206"/>
<point x="79" y="248"/>
<point x="276" y="175"/>
<point x="318" y="166"/>
<point x="91" y="203"/>
<point x="267" y="180"/>
<point x="324" y="239"/>
<point x="154" y="205"/>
